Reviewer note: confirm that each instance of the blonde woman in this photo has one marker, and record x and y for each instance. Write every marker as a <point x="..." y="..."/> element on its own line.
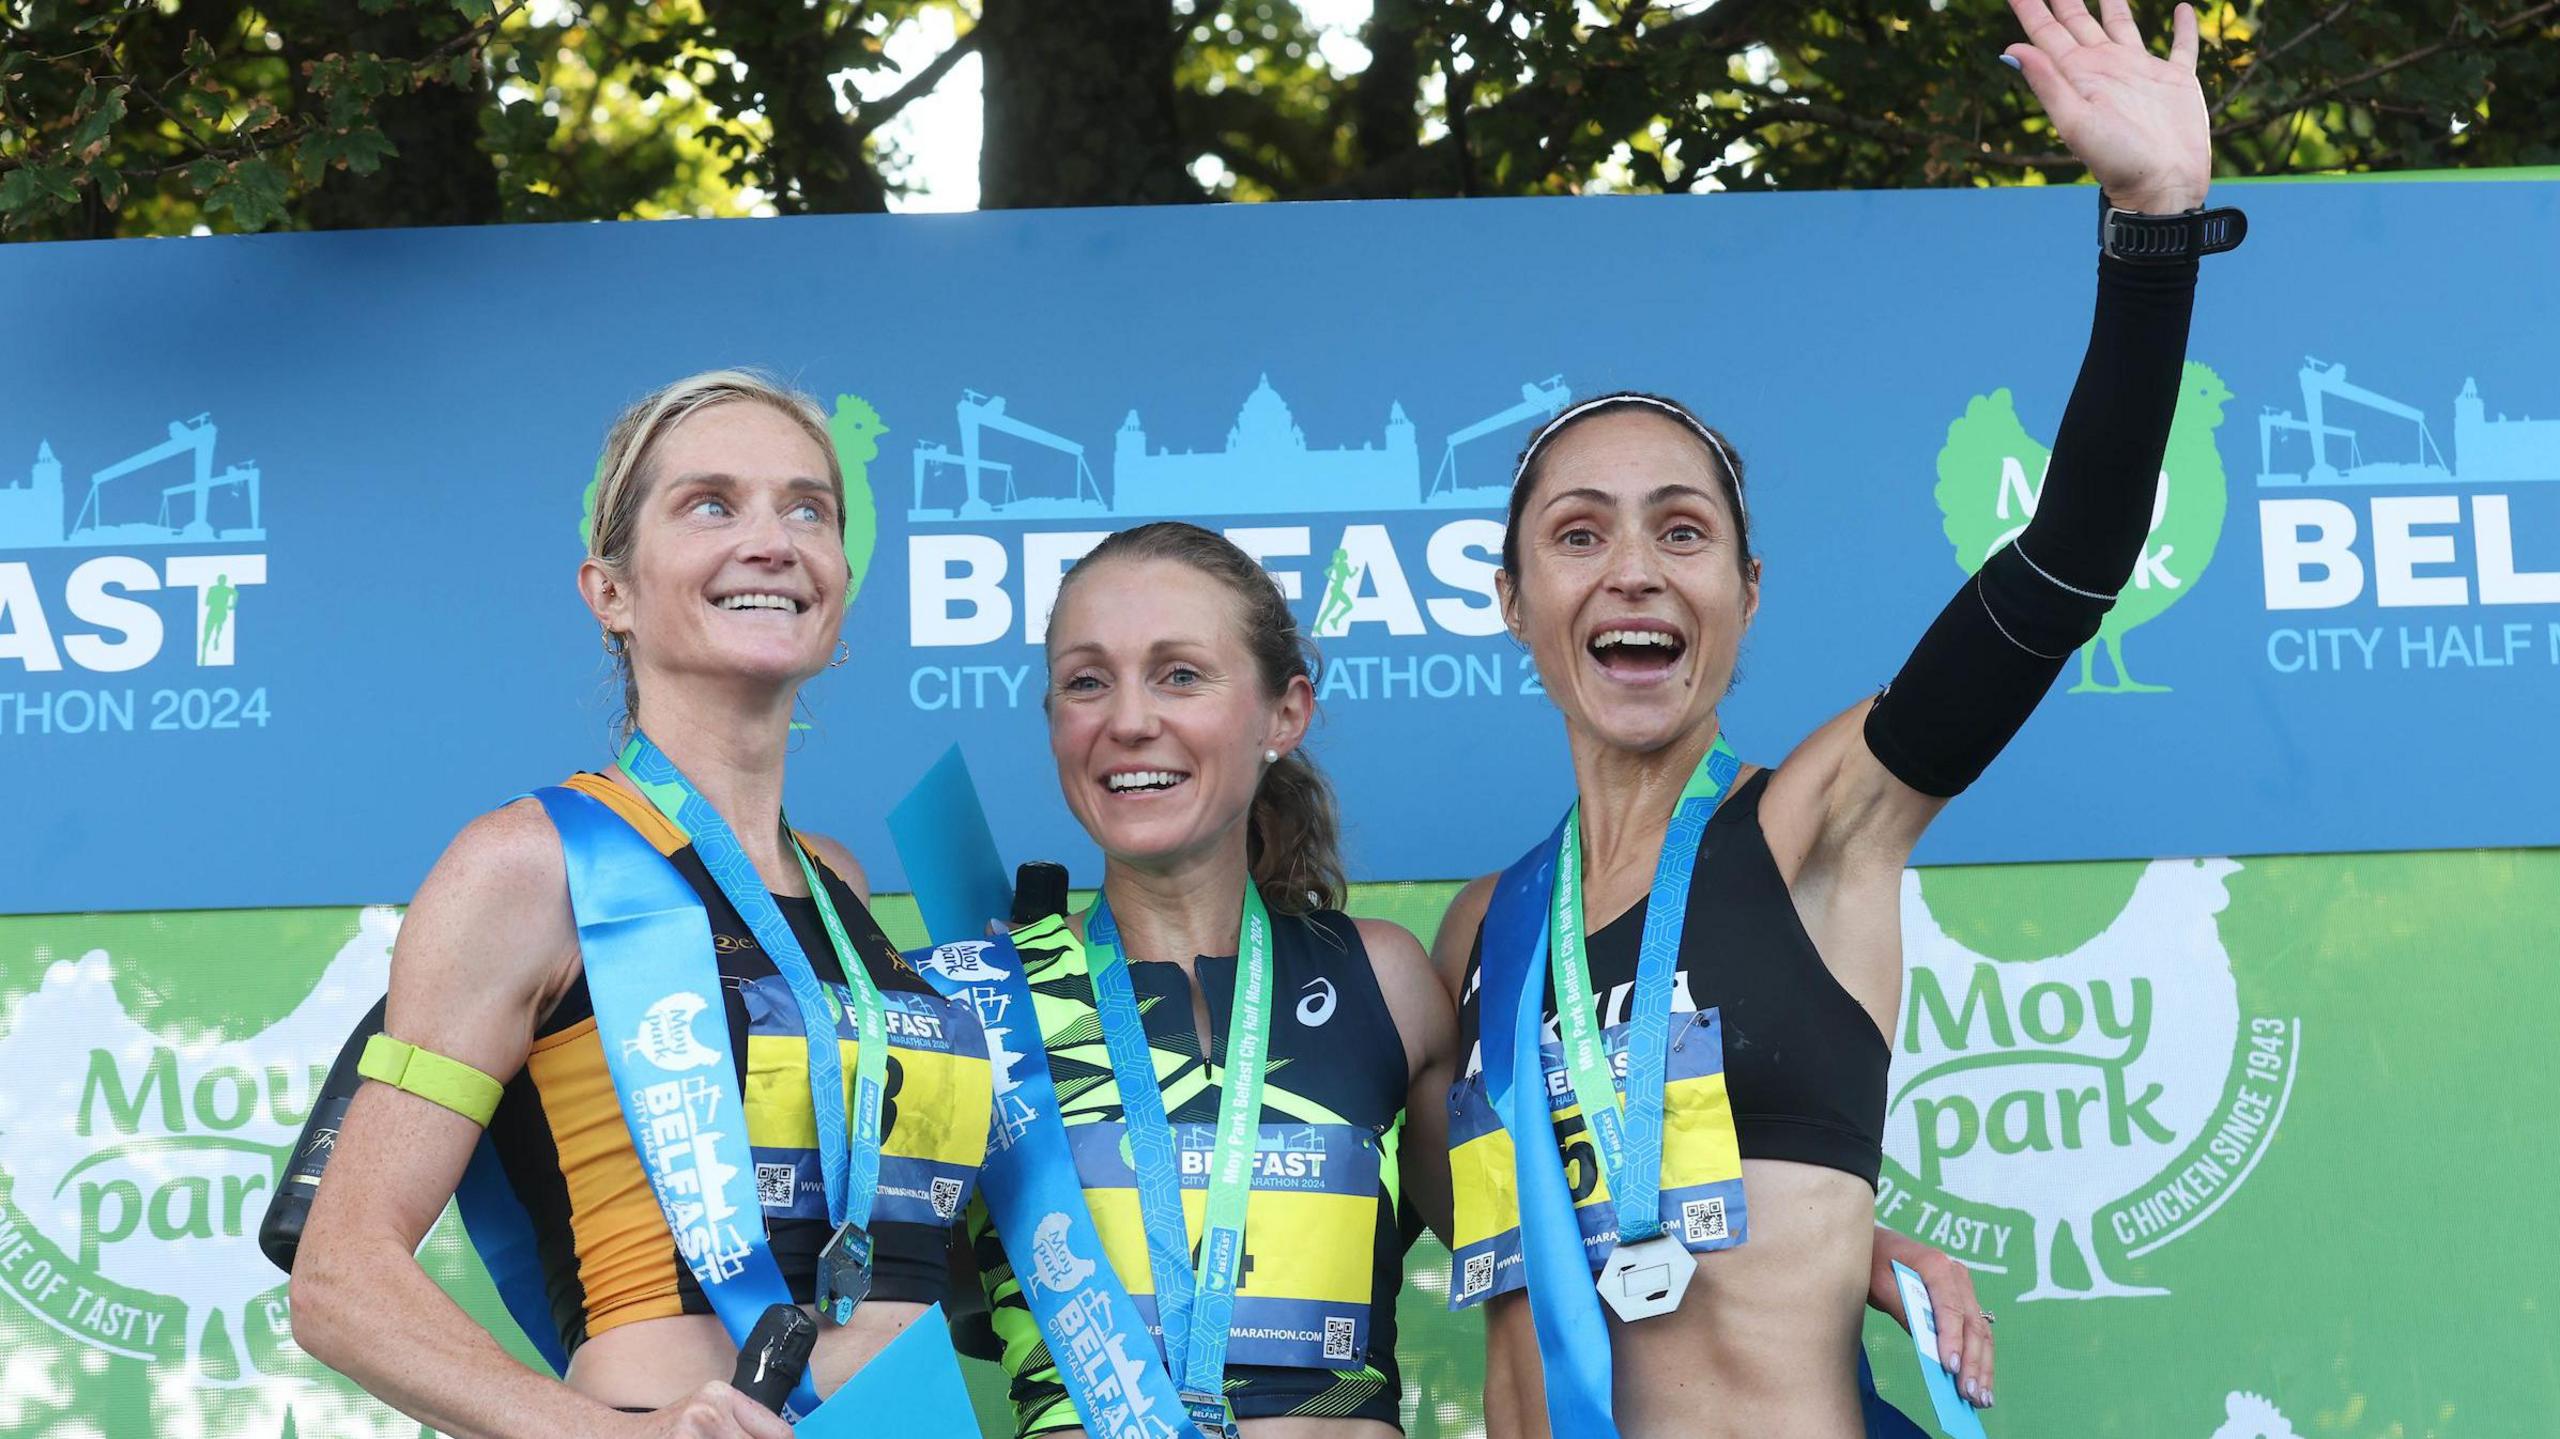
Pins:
<point x="716" y="572"/>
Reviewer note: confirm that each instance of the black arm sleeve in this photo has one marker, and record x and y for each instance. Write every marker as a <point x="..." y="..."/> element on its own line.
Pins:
<point x="1993" y="652"/>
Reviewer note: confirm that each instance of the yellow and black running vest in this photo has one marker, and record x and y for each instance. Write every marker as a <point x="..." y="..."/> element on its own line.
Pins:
<point x="607" y="1256"/>
<point x="1324" y="1244"/>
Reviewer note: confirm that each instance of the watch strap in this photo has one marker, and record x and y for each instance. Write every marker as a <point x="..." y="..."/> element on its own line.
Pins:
<point x="2168" y="239"/>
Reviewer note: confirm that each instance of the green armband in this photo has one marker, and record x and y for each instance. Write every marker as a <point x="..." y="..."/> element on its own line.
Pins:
<point x="432" y="1077"/>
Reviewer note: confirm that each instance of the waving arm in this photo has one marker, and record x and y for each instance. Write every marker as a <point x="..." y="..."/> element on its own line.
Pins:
<point x="2139" y="122"/>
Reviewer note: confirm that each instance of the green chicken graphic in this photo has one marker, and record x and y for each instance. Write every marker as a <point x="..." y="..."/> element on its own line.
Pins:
<point x="856" y="429"/>
<point x="1991" y="473"/>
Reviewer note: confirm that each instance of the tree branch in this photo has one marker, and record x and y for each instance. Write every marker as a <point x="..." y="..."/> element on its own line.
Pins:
<point x="185" y="131"/>
<point x="813" y="155"/>
<point x="1728" y="25"/>
<point x="1551" y="146"/>
<point x="487" y="29"/>
<point x="2259" y="64"/>
<point x="2335" y="88"/>
<point x="1783" y="110"/>
<point x="875" y="113"/>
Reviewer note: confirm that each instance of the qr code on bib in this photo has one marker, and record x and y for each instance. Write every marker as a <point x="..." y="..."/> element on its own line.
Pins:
<point x="946" y="1197"/>
<point x="775" y="1185"/>
<point x="1702" y="1220"/>
<point x="1337" y="1339"/>
<point x="1478" y="1276"/>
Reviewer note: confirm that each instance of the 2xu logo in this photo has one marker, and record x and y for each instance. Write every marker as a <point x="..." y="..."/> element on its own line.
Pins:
<point x="2113" y="1097"/>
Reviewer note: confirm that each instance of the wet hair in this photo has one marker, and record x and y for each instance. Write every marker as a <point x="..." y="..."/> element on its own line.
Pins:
<point x="1293" y="837"/>
<point x="1721" y="460"/>
<point x="624" y="474"/>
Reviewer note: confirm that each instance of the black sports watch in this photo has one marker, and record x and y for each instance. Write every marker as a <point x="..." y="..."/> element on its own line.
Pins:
<point x="2168" y="239"/>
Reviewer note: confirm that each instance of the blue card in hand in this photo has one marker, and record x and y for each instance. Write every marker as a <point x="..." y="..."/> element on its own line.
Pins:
<point x="1954" y="1415"/>
<point x="912" y="1388"/>
<point x="941" y="832"/>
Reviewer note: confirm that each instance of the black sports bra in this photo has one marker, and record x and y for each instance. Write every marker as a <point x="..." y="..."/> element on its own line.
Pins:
<point x="1804" y="1064"/>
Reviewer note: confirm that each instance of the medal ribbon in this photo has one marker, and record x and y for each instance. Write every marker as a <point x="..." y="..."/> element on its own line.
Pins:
<point x="1195" y="1328"/>
<point x="1094" y="1331"/>
<point x="1628" y="1141"/>
<point x="646" y="940"/>
<point x="851" y="1171"/>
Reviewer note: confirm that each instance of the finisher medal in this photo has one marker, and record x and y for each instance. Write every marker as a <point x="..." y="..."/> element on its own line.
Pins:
<point x="844" y="1272"/>
<point x="1646" y="1278"/>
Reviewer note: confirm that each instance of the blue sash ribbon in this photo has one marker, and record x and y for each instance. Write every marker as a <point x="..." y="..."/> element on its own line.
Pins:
<point x="645" y="940"/>
<point x="501" y="1232"/>
<point x="849" y="1169"/>
<point x="1883" y="1420"/>
<point x="1096" y="1335"/>
<point x="646" y="943"/>
<point x="1573" y="1330"/>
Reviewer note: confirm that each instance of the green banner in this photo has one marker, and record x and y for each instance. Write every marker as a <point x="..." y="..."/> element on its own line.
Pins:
<point x="2238" y="1149"/>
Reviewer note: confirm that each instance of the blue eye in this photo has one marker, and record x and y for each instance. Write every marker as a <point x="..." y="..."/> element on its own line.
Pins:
<point x="811" y="509"/>
<point x="1182" y="676"/>
<point x="711" y="506"/>
<point x="1080" y="684"/>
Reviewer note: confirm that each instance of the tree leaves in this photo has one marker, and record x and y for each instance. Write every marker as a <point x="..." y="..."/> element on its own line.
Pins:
<point x="142" y="119"/>
<point x="89" y="137"/>
<point x="251" y="191"/>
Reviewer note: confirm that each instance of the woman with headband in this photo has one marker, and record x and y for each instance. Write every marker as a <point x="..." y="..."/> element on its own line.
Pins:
<point x="1212" y="1005"/>
<point x="616" y="977"/>
<point x="1691" y="1258"/>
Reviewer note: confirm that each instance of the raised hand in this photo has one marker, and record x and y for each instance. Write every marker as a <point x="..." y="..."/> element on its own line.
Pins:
<point x="2137" y="121"/>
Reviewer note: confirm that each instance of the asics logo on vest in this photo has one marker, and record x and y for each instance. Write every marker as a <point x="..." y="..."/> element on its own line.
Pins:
<point x="1318" y="1006"/>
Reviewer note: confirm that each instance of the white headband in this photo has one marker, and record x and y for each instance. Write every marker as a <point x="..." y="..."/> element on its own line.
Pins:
<point x="1732" y="471"/>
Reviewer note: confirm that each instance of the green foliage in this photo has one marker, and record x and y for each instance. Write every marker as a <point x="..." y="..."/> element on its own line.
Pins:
<point x="120" y="118"/>
<point x="251" y="190"/>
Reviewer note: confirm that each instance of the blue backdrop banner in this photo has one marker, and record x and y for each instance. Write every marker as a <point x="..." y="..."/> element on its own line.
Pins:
<point x="272" y="509"/>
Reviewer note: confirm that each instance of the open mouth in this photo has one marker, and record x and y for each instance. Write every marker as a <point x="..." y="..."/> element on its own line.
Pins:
<point x="1637" y="651"/>
<point x="1143" y="781"/>
<point x="780" y="604"/>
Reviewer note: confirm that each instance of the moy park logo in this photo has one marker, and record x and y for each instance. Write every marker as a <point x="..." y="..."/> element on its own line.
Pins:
<point x="2059" y="1116"/>
<point x="136" y="1163"/>
<point x="1991" y="473"/>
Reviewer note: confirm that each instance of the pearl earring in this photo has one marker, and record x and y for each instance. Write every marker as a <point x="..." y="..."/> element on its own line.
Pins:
<point x="1271" y="756"/>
